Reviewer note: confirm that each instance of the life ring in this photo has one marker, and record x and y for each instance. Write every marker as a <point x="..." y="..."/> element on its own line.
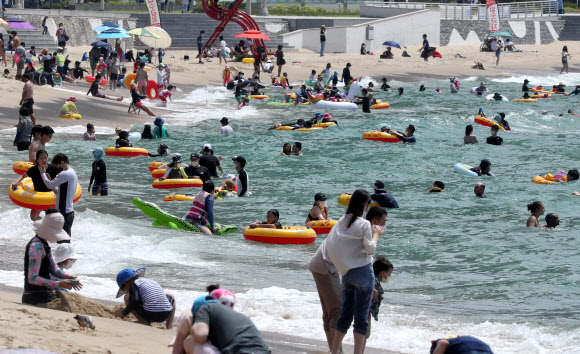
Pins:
<point x="152" y="90"/>
<point x="526" y="100"/>
<point x="129" y="80"/>
<point x="464" y="169"/>
<point x="541" y="180"/>
<point x="153" y="165"/>
<point x="322" y="226"/>
<point x="538" y="89"/>
<point x="286" y="127"/>
<point x="560" y="93"/>
<point x="474" y="90"/>
<point x="179" y="198"/>
<point x="26" y="197"/>
<point x="259" y="97"/>
<point x="177" y="183"/>
<point x="541" y="95"/>
<point x="323" y="125"/>
<point x="248" y="60"/>
<point x="380" y="105"/>
<point x="71" y="116"/>
<point x="290" y="95"/>
<point x="158" y="173"/>
<point x="380" y="136"/>
<point x="21" y="167"/>
<point x="490" y="97"/>
<point x="125" y="151"/>
<point x="288" y="235"/>
<point x="233" y="71"/>
<point x="344" y="199"/>
<point x="486" y="122"/>
<point x="91" y="79"/>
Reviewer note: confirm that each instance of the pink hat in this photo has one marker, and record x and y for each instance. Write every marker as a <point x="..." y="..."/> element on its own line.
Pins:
<point x="225" y="297"/>
<point x="327" y="116"/>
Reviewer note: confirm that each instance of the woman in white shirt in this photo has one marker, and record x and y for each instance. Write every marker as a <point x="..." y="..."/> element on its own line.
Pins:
<point x="565" y="57"/>
<point x="223" y="53"/>
<point x="350" y="244"/>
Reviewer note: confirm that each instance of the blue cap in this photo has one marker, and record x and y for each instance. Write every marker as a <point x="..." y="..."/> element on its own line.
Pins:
<point x="125" y="275"/>
<point x="98" y="153"/>
<point x="318" y="115"/>
<point x="202" y="300"/>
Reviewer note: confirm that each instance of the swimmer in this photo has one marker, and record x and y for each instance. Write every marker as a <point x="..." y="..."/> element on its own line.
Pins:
<point x="422" y="88"/>
<point x="494" y="139"/>
<point x="319" y="210"/>
<point x="334" y="79"/>
<point x="437" y="90"/>
<point x="469" y="138"/>
<point x="572" y="176"/>
<point x="271" y="221"/>
<point x="245" y="102"/>
<point x="175" y="169"/>
<point x="365" y="101"/>
<point x="480" y="112"/>
<point x="526" y="96"/>
<point x="41" y="162"/>
<point x="286" y="149"/>
<point x="90" y="133"/>
<point x="301" y="96"/>
<point x="552" y="221"/>
<point x="297" y="149"/>
<point x="327" y="118"/>
<point x="481" y="88"/>
<point x="525" y="87"/>
<point x="483" y="169"/>
<point x="537" y="209"/>
<point x="479" y="190"/>
<point x="227" y="189"/>
<point x="284" y="82"/>
<point x="385" y="86"/>
<point x="497" y="97"/>
<point x="401" y="91"/>
<point x="437" y="187"/>
<point x="371" y="87"/>
<point x="239" y="91"/>
<point x="165" y="94"/>
<point x="569" y="112"/>
<point x="123" y="140"/>
<point x="162" y="151"/>
<point x="69" y="107"/>
<point x="407" y="137"/>
<point x="45" y="136"/>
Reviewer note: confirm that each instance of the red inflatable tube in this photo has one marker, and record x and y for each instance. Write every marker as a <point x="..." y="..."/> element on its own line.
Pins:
<point x="152" y="90"/>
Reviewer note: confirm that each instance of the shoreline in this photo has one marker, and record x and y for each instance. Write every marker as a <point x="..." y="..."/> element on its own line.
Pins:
<point x="108" y="336"/>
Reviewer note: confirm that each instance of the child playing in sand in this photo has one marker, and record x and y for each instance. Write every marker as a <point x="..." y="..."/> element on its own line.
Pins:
<point x="99" y="174"/>
<point x="69" y="107"/>
<point x="144" y="298"/>
<point x="90" y="133"/>
<point x="6" y="74"/>
<point x="271" y="221"/>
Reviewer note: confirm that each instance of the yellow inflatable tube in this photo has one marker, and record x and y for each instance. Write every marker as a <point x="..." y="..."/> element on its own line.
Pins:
<point x="288" y="235"/>
<point x="526" y="100"/>
<point x="322" y="226"/>
<point x="71" y="116"/>
<point x="179" y="198"/>
<point x="344" y="199"/>
<point x="26" y="197"/>
<point x="177" y="183"/>
<point x="323" y="125"/>
<point x="541" y="180"/>
<point x="248" y="60"/>
<point x="21" y="167"/>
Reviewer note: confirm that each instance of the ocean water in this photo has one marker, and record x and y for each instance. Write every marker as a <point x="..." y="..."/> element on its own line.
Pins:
<point x="462" y="265"/>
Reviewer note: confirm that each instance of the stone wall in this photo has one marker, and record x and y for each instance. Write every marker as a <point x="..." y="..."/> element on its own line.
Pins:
<point x="78" y="24"/>
<point x="458" y="32"/>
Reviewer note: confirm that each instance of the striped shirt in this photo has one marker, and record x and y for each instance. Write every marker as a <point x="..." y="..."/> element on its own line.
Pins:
<point x="149" y="295"/>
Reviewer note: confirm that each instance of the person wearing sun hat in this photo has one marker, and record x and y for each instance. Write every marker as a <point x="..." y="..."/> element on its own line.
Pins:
<point x="144" y="298"/>
<point x="382" y="196"/>
<point x="174" y="169"/>
<point x="525" y="87"/>
<point x="65" y="256"/>
<point x="346" y="77"/>
<point x="159" y="131"/>
<point x="39" y="263"/>
<point x="69" y="106"/>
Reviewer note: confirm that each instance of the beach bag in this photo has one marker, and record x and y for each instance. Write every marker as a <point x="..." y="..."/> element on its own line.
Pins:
<point x="283" y="61"/>
<point x="85" y="57"/>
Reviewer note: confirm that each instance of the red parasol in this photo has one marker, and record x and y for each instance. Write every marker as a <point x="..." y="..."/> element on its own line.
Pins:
<point x="252" y="34"/>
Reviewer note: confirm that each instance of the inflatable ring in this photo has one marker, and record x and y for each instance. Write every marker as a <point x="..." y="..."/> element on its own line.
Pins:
<point x="129" y="79"/>
<point x="91" y="79"/>
<point x="322" y="226"/>
<point x="26" y="197"/>
<point x="541" y="95"/>
<point x="288" y="235"/>
<point x="125" y="151"/>
<point x="290" y="95"/>
<point x="248" y="60"/>
<point x="179" y="198"/>
<point x="474" y="90"/>
<point x="71" y="116"/>
<point x="486" y="122"/>
<point x="152" y="90"/>
<point x="526" y="100"/>
<point x="323" y="125"/>
<point x="21" y="167"/>
<point x="464" y="169"/>
<point x="380" y="136"/>
<point x="344" y="199"/>
<point x="286" y="127"/>
<point x="541" y="180"/>
<point x="233" y="71"/>
<point x="158" y="173"/>
<point x="490" y="98"/>
<point x="259" y="97"/>
<point x="177" y="183"/>
<point x="380" y="105"/>
<point x="560" y="93"/>
<point x="538" y="89"/>
<point x="153" y="165"/>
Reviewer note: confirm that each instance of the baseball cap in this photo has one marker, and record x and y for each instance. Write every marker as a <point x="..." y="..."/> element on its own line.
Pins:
<point x="206" y="146"/>
<point x="319" y="196"/>
<point x="125" y="275"/>
<point x="318" y="114"/>
<point x="240" y="159"/>
<point x="194" y="156"/>
<point x="230" y="176"/>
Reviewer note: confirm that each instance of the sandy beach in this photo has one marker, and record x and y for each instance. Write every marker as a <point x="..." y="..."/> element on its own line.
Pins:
<point x="49" y="329"/>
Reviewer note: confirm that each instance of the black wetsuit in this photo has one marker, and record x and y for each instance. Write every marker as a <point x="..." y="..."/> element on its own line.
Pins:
<point x="525" y="88"/>
<point x="211" y="162"/>
<point x="494" y="140"/>
<point x="99" y="174"/>
<point x="123" y="143"/>
<point x="366" y="104"/>
<point x="200" y="171"/>
<point x="94" y="90"/>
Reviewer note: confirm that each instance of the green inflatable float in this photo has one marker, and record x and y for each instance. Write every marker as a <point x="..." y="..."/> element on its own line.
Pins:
<point x="173" y="222"/>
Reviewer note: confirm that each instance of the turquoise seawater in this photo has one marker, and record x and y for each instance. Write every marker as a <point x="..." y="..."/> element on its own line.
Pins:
<point x="462" y="265"/>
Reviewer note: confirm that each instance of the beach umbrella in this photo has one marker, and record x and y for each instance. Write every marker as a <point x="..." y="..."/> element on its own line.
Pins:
<point x="4" y="24"/>
<point x="113" y="33"/>
<point x="164" y="40"/>
<point x="111" y="24"/>
<point x="252" y="34"/>
<point x="392" y="44"/>
<point x="503" y="34"/>
<point x="18" y="23"/>
<point x="105" y="28"/>
<point x="142" y="32"/>
<point x="100" y="44"/>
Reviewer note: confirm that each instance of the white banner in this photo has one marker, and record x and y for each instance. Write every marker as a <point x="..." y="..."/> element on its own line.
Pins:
<point x="492" y="15"/>
<point x="154" y="13"/>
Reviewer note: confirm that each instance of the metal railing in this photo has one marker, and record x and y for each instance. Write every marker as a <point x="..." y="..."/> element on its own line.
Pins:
<point x="508" y="10"/>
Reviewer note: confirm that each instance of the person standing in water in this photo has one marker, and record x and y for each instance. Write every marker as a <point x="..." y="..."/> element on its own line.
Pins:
<point x="537" y="209"/>
<point x="469" y="138"/>
<point x="243" y="180"/>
